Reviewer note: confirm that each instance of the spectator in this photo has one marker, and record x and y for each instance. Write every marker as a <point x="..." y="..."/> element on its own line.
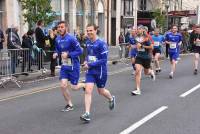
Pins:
<point x="27" y="42"/>
<point x="40" y="39"/>
<point x="185" y="40"/>
<point x="13" y="42"/>
<point x="121" y="38"/>
<point x="52" y="38"/>
<point x="2" y="39"/>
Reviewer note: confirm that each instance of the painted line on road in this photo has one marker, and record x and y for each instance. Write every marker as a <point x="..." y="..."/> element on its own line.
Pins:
<point x="26" y="94"/>
<point x="190" y="91"/>
<point x="144" y="120"/>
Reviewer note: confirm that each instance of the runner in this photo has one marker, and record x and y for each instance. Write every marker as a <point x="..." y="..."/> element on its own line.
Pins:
<point x="96" y="66"/>
<point x="68" y="47"/>
<point x="158" y="40"/>
<point x="174" y="40"/>
<point x="196" y="49"/>
<point x="133" y="48"/>
<point x="143" y="59"/>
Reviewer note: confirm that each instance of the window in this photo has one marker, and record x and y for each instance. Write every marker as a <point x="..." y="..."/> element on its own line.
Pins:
<point x="127" y="6"/>
<point x="91" y="11"/>
<point x="143" y="5"/>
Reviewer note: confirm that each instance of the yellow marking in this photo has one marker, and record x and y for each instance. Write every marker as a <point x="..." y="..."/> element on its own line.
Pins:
<point x="26" y="94"/>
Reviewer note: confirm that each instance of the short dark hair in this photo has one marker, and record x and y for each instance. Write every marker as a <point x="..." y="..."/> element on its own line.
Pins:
<point x="54" y="28"/>
<point x="174" y="26"/>
<point x="30" y="32"/>
<point x="93" y="25"/>
<point x="39" y="22"/>
<point x="63" y="22"/>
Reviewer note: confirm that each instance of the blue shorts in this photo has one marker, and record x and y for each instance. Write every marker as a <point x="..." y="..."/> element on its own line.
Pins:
<point x="72" y="76"/>
<point x="173" y="56"/>
<point x="133" y="53"/>
<point x="99" y="80"/>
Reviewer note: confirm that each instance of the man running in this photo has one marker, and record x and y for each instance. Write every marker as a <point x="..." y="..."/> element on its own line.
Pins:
<point x="133" y="48"/>
<point x="158" y="40"/>
<point x="196" y="49"/>
<point x="96" y="66"/>
<point x="143" y="59"/>
<point x="174" y="40"/>
<point x="68" y="47"/>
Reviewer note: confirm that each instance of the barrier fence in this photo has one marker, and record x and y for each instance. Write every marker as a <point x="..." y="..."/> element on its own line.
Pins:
<point x="15" y="62"/>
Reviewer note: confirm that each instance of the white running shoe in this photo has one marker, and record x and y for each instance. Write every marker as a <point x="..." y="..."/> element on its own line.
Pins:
<point x="136" y="92"/>
<point x="171" y="75"/>
<point x="153" y="76"/>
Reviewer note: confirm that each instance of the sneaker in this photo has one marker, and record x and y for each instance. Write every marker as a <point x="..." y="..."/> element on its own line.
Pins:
<point x="133" y="73"/>
<point x="112" y="103"/>
<point x="85" y="117"/>
<point x="171" y="75"/>
<point x="136" y="92"/>
<point x="67" y="108"/>
<point x="159" y="70"/>
<point x="195" y="72"/>
<point x="153" y="77"/>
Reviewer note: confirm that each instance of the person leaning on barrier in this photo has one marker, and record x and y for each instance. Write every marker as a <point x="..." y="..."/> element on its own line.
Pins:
<point x="2" y="39"/>
<point x="52" y="39"/>
<point x="13" y="44"/>
<point x="40" y="39"/>
<point x="27" y="42"/>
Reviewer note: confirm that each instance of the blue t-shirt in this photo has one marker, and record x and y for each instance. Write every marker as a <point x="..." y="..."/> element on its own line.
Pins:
<point x="69" y="43"/>
<point x="97" y="53"/>
<point x="174" y="40"/>
<point x="158" y="40"/>
<point x="133" y="43"/>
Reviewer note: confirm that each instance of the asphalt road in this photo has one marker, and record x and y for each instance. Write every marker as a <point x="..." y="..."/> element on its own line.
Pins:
<point x="159" y="110"/>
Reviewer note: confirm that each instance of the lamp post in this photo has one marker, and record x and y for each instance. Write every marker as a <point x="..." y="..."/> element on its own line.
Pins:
<point x="167" y="21"/>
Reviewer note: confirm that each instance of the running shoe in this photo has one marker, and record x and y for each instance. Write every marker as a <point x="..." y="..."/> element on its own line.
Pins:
<point x="85" y="117"/>
<point x="112" y="103"/>
<point x="136" y="92"/>
<point x="67" y="108"/>
<point x="195" y="72"/>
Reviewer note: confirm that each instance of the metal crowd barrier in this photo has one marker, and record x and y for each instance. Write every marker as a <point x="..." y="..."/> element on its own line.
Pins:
<point x="5" y="69"/>
<point x="14" y="62"/>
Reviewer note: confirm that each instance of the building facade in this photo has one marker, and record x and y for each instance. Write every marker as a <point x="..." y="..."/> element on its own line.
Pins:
<point x="81" y="12"/>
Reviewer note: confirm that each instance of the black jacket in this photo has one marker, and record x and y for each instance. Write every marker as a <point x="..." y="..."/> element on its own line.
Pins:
<point x="13" y="40"/>
<point x="27" y="42"/>
<point x="2" y="39"/>
<point x="40" y="37"/>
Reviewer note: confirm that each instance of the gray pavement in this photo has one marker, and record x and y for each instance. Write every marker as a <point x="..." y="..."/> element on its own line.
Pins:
<point x="40" y="112"/>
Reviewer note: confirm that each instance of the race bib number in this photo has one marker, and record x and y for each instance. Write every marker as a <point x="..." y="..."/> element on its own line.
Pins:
<point x="141" y="50"/>
<point x="67" y="62"/>
<point x="172" y="45"/>
<point x="92" y="59"/>
<point x="198" y="44"/>
<point x="156" y="44"/>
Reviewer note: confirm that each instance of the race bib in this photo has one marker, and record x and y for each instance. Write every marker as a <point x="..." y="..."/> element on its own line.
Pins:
<point x="156" y="44"/>
<point x="198" y="44"/>
<point x="172" y="45"/>
<point x="141" y="50"/>
<point x="92" y="59"/>
<point x="67" y="62"/>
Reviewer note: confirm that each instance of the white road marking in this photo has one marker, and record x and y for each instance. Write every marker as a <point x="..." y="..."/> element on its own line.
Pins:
<point x="190" y="91"/>
<point x="142" y="121"/>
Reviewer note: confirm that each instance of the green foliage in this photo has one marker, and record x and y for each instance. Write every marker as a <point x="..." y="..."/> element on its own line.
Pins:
<point x="35" y="10"/>
<point x="159" y="17"/>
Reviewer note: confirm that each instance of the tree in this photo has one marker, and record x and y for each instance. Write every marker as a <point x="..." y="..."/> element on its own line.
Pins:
<point x="159" y="17"/>
<point x="35" y="10"/>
